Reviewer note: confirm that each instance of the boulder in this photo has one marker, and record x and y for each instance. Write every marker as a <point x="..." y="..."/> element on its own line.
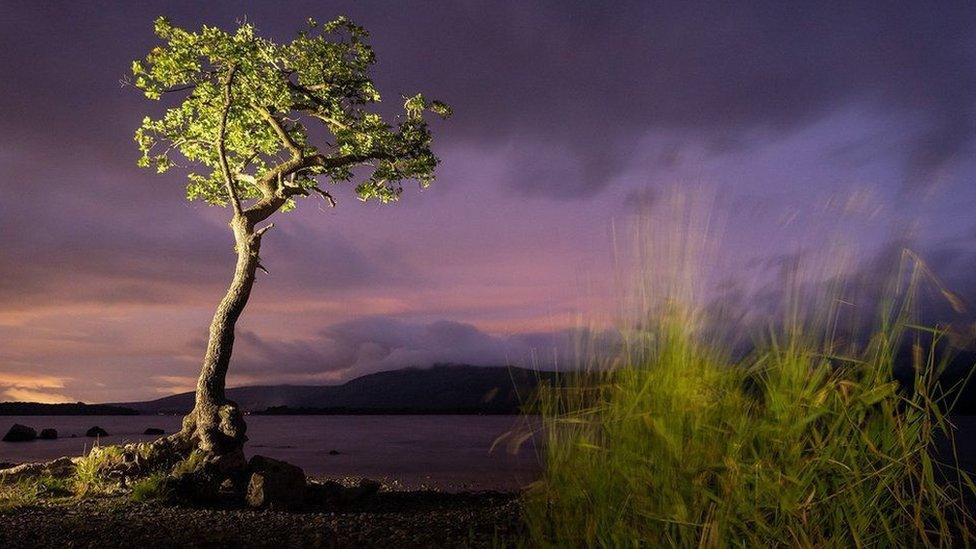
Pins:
<point x="196" y="486"/>
<point x="366" y="489"/>
<point x="48" y="434"/>
<point x="20" y="433"/>
<point x="332" y="494"/>
<point x="329" y="493"/>
<point x="334" y="452"/>
<point x="154" y="431"/>
<point x="275" y="484"/>
<point x="96" y="431"/>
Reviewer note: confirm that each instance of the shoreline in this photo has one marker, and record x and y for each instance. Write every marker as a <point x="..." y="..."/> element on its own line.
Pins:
<point x="391" y="518"/>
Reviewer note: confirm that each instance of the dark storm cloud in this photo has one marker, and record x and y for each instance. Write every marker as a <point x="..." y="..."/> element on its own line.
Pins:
<point x="567" y="88"/>
<point x="564" y="89"/>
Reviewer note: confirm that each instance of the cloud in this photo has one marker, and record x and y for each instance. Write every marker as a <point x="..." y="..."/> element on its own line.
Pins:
<point x="27" y="395"/>
<point x="940" y="277"/>
<point x="31" y="388"/>
<point x="569" y="88"/>
<point x="168" y="385"/>
<point x="25" y="381"/>
<point x="372" y="344"/>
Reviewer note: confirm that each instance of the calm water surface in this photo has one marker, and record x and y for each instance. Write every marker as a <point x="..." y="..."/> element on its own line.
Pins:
<point x="446" y="452"/>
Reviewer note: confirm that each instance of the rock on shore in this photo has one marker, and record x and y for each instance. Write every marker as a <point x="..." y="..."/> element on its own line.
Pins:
<point x="60" y="468"/>
<point x="96" y="431"/>
<point x="20" y="433"/>
<point x="275" y="484"/>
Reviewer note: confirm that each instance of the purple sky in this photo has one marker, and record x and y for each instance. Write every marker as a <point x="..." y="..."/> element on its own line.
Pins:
<point x="807" y="126"/>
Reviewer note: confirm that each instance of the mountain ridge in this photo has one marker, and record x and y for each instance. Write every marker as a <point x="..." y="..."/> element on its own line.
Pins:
<point x="441" y="388"/>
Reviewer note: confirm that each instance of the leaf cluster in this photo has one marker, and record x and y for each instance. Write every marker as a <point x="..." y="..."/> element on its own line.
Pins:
<point x="254" y="105"/>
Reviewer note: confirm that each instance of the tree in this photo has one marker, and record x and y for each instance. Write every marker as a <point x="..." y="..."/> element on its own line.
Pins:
<point x="240" y="124"/>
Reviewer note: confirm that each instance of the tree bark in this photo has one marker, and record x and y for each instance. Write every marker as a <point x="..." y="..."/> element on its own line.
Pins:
<point x="216" y="425"/>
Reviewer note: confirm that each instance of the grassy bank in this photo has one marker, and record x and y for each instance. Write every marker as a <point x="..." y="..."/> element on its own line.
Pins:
<point x="702" y="428"/>
<point x="806" y="441"/>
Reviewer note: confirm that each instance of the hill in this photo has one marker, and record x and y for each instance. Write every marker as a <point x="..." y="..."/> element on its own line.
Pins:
<point x="441" y="389"/>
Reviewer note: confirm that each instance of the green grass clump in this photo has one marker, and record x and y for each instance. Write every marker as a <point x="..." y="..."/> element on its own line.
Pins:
<point x="26" y="492"/>
<point x="136" y="470"/>
<point x="90" y="472"/>
<point x="194" y="462"/>
<point x="674" y="442"/>
<point x="155" y="487"/>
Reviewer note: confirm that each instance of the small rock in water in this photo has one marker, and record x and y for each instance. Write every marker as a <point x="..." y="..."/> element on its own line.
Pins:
<point x="48" y="434"/>
<point x="275" y="484"/>
<point x="333" y="452"/>
<point x="20" y="433"/>
<point x="332" y="493"/>
<point x="154" y="431"/>
<point x="96" y="431"/>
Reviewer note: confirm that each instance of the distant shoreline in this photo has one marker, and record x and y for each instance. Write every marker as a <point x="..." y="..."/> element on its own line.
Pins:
<point x="296" y="413"/>
<point x="65" y="409"/>
<point x="10" y="409"/>
<point x="347" y="411"/>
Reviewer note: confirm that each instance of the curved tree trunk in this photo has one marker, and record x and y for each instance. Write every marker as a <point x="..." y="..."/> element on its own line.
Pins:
<point x="216" y="425"/>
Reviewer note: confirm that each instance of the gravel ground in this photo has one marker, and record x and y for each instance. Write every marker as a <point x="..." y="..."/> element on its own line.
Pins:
<point x="390" y="519"/>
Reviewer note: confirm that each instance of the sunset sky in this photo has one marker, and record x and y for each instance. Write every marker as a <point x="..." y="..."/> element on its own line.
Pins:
<point x="807" y="125"/>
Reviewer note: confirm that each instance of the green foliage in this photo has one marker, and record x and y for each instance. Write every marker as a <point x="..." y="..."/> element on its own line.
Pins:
<point x="16" y="495"/>
<point x="259" y="98"/>
<point x="90" y="471"/>
<point x="26" y="492"/>
<point x="676" y="444"/>
<point x="154" y="487"/>
<point x="194" y="462"/>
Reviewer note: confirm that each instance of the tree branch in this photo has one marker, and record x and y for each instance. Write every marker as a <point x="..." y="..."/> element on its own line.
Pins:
<point x="332" y="162"/>
<point x="325" y="194"/>
<point x="222" y="145"/>
<point x="308" y="91"/>
<point x="296" y="151"/>
<point x="275" y="196"/>
<point x="260" y="232"/>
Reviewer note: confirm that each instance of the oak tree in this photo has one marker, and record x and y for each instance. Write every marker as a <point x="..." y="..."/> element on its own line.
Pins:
<point x="245" y="118"/>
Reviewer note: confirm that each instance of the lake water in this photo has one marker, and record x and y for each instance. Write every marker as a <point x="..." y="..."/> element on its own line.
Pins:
<point x="445" y="452"/>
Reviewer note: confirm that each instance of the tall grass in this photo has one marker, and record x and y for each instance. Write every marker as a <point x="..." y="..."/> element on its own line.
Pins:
<point x="807" y="440"/>
<point x="26" y="492"/>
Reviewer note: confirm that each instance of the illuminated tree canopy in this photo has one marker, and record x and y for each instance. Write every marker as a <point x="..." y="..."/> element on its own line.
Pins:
<point x="249" y="105"/>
